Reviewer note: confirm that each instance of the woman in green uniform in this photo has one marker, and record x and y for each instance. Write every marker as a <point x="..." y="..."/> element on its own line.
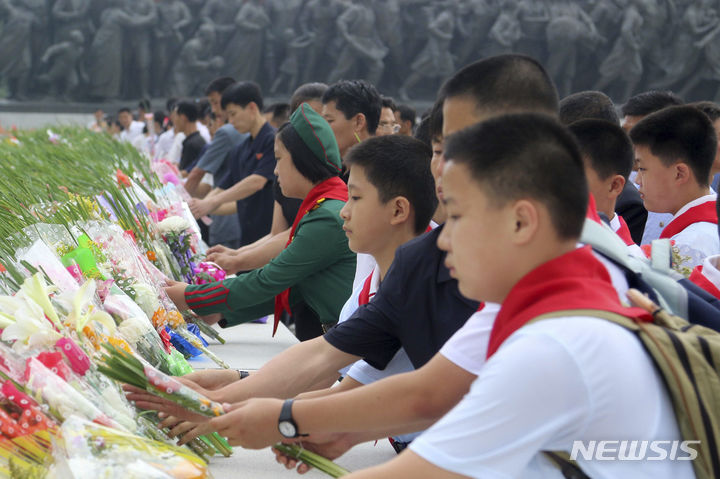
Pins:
<point x="315" y="270"/>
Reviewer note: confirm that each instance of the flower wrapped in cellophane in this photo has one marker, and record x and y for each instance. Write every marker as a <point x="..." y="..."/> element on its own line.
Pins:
<point x="25" y="435"/>
<point x="172" y="321"/>
<point x="126" y="368"/>
<point x="85" y="450"/>
<point x="62" y="398"/>
<point x="129" y="369"/>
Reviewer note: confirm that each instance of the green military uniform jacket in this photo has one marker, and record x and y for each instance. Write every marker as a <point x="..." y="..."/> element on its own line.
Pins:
<point x="317" y="265"/>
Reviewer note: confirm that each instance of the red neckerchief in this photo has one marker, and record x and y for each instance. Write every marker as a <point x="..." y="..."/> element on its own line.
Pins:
<point x="575" y="280"/>
<point x="624" y="232"/>
<point x="704" y="212"/>
<point x="702" y="281"/>
<point x="365" y="295"/>
<point x="331" y="189"/>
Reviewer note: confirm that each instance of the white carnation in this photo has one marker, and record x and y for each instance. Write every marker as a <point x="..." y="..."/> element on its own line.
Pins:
<point x="133" y="329"/>
<point x="146" y="298"/>
<point x="173" y="224"/>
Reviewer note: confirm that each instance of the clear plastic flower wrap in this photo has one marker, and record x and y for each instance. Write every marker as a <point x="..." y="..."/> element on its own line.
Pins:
<point x="85" y="450"/>
<point x="63" y="399"/>
<point x="44" y="258"/>
<point x="135" y="327"/>
<point x="171" y="318"/>
<point x="129" y="369"/>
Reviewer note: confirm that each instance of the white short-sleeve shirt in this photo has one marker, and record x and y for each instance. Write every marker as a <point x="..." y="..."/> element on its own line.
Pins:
<point x="634" y="249"/>
<point x="699" y="240"/>
<point x="549" y="384"/>
<point x="467" y="348"/>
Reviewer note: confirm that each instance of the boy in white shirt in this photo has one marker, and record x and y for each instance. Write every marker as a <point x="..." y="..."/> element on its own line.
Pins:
<point x="511" y="236"/>
<point x="675" y="150"/>
<point x="637" y="108"/>
<point x="391" y="198"/>
<point x="707" y="275"/>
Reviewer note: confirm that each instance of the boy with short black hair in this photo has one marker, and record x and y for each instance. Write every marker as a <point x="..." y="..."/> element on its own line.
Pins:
<point x="504" y="76"/>
<point x="516" y="195"/>
<point x="352" y="107"/>
<point x="585" y="105"/>
<point x="391" y="200"/>
<point x="674" y="150"/>
<point x="596" y="105"/>
<point x="637" y="108"/>
<point x="643" y="104"/>
<point x="608" y="156"/>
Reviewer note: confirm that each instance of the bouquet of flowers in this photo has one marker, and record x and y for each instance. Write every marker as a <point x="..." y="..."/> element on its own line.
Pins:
<point x="172" y="320"/>
<point x="174" y="231"/>
<point x="87" y="450"/>
<point x="25" y="435"/>
<point x="128" y="369"/>
<point x="62" y="398"/>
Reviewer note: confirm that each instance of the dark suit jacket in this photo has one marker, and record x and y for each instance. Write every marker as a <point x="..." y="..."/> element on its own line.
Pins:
<point x="629" y="205"/>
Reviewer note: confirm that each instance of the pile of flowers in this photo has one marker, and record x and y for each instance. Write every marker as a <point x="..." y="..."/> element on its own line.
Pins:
<point x="89" y="237"/>
<point x="90" y="234"/>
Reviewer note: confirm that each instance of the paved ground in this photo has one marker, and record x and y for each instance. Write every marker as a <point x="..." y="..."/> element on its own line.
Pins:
<point x="249" y="346"/>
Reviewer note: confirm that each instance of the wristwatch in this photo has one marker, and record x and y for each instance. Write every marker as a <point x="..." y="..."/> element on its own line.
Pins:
<point x="286" y="424"/>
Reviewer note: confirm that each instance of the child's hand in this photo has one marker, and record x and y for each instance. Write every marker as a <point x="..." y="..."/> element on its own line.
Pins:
<point x="210" y="379"/>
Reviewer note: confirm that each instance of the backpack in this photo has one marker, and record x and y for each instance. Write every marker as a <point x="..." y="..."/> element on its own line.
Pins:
<point x="687" y="357"/>
<point x="654" y="276"/>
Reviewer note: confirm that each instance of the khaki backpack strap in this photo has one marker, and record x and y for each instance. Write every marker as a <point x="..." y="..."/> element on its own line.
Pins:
<point x="568" y="467"/>
<point x="591" y="313"/>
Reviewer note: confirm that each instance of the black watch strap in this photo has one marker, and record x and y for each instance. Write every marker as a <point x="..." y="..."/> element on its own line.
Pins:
<point x="286" y="411"/>
<point x="243" y="374"/>
<point x="286" y="416"/>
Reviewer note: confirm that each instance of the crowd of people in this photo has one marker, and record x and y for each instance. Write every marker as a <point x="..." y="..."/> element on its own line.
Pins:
<point x="414" y="256"/>
<point x="95" y="50"/>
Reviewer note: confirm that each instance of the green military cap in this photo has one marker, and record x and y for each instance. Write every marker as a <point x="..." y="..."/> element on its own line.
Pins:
<point x="317" y="135"/>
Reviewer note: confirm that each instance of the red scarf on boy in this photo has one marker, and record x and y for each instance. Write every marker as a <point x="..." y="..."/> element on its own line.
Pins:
<point x="575" y="280"/>
<point x="702" y="213"/>
<point x="331" y="189"/>
<point x="364" y="297"/>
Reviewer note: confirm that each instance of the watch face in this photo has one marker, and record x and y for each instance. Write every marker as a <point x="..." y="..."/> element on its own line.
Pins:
<point x="287" y="429"/>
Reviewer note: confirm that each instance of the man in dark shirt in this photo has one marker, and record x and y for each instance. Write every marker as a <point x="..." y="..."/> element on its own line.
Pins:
<point x="255" y="156"/>
<point x="248" y="184"/>
<point x="186" y="115"/>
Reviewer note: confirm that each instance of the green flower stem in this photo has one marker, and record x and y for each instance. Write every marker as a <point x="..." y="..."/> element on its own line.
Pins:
<point x="311" y="459"/>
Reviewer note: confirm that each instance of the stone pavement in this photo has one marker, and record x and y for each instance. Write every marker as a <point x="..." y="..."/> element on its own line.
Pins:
<point x="248" y="347"/>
